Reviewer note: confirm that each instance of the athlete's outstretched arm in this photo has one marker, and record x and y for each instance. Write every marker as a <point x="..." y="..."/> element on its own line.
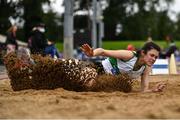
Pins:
<point x="120" y="54"/>
<point x="159" y="87"/>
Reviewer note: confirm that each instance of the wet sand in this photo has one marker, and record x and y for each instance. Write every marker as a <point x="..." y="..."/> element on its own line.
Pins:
<point x="60" y="103"/>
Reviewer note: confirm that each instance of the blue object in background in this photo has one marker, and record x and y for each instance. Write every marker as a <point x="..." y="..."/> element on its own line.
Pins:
<point x="52" y="50"/>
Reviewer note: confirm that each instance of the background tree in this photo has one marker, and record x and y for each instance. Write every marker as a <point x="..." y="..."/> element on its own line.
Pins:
<point x="123" y="19"/>
<point x="7" y="10"/>
<point x="137" y="19"/>
<point x="177" y="28"/>
<point x="32" y="14"/>
<point x="54" y="26"/>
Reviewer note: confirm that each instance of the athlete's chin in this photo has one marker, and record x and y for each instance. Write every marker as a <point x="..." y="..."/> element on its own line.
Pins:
<point x="149" y="64"/>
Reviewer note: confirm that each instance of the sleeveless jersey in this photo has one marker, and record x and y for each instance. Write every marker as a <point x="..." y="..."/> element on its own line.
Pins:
<point x="124" y="67"/>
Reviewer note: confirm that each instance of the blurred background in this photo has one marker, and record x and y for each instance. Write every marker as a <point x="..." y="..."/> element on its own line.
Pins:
<point x="121" y="21"/>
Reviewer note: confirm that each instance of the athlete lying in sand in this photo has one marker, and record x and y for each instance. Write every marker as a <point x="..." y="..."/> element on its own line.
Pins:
<point x="119" y="61"/>
<point x="135" y="64"/>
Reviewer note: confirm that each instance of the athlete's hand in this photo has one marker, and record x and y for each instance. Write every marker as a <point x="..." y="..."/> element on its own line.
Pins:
<point x="87" y="50"/>
<point x="159" y="87"/>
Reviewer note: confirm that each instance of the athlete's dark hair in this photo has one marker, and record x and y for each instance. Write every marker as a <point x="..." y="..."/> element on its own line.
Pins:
<point x="148" y="46"/>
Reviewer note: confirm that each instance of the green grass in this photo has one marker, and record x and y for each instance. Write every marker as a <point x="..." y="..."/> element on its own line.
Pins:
<point x="123" y="44"/>
<point x="59" y="46"/>
<point x="120" y="44"/>
<point x="137" y="44"/>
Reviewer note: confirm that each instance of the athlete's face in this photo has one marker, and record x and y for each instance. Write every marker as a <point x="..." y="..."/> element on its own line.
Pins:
<point x="150" y="57"/>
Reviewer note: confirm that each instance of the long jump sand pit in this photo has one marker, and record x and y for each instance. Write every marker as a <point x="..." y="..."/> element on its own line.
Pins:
<point x="60" y="103"/>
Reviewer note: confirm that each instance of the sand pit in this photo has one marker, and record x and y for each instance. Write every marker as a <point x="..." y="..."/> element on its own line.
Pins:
<point x="60" y="103"/>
